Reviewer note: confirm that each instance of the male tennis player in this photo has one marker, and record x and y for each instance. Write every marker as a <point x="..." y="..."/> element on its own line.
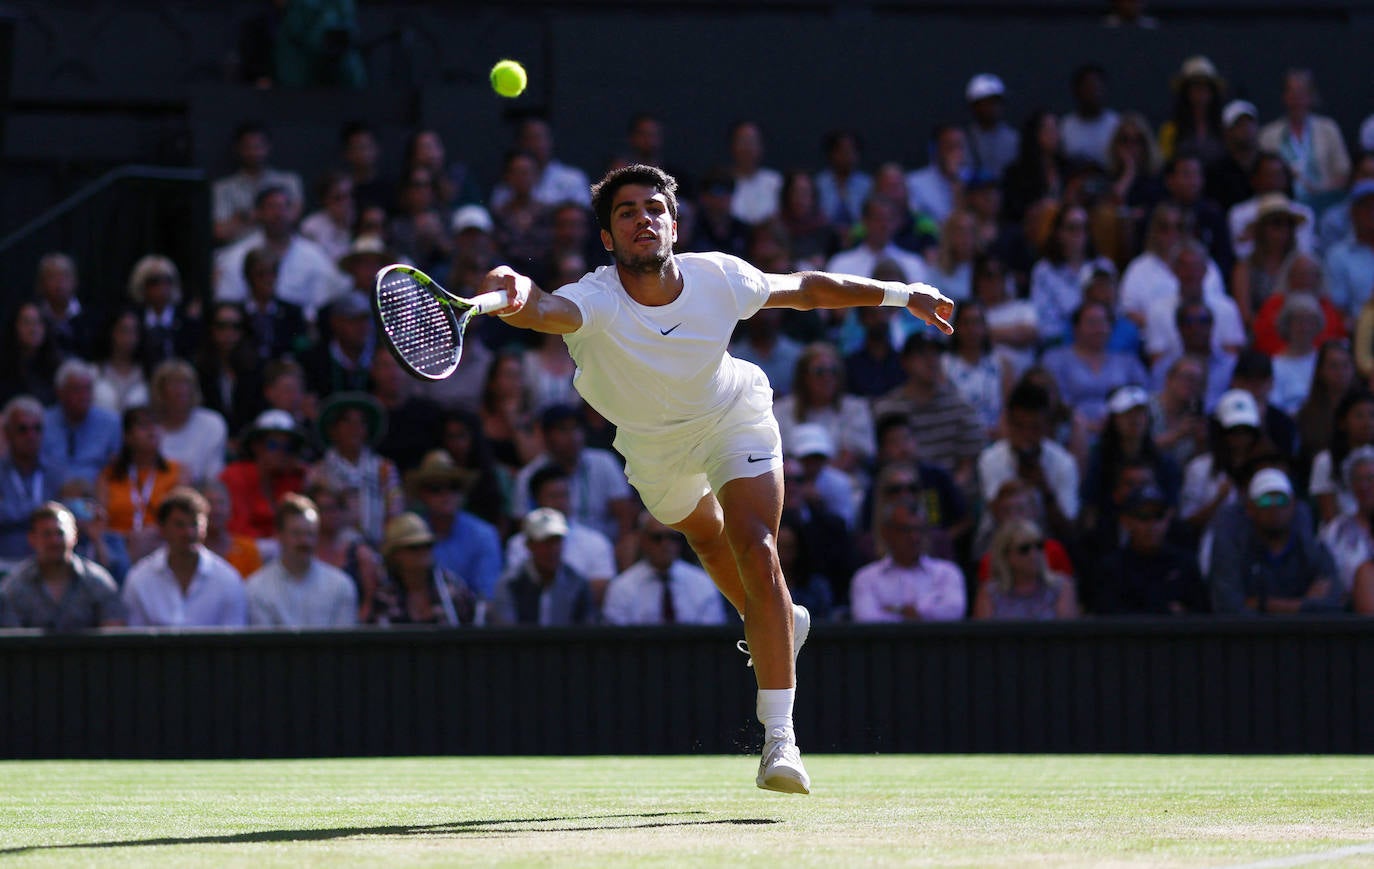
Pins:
<point x="695" y="425"/>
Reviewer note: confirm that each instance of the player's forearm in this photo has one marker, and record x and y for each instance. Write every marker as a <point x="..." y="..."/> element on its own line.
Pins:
<point x="829" y="290"/>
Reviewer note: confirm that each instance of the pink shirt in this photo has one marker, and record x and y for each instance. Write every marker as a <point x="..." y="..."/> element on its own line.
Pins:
<point x="934" y="587"/>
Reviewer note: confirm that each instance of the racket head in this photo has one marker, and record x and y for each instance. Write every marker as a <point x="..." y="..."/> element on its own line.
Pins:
<point x="421" y="323"/>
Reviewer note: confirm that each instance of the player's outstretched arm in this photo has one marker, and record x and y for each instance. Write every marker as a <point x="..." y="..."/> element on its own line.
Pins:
<point x="531" y="307"/>
<point x="806" y="291"/>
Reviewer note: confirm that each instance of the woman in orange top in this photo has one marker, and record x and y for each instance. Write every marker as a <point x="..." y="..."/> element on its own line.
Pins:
<point x="131" y="487"/>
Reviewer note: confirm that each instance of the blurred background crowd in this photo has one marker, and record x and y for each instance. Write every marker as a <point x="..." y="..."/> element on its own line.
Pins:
<point x="1157" y="399"/>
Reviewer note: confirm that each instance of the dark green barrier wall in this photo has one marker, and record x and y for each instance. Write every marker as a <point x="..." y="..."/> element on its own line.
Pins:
<point x="1137" y="686"/>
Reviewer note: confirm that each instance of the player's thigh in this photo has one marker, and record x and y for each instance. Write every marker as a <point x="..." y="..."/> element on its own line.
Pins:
<point x="751" y="508"/>
<point x="667" y="475"/>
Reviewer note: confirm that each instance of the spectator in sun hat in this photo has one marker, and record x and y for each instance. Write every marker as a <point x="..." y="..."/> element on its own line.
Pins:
<point x="417" y="589"/>
<point x="1276" y="564"/>
<point x="992" y="142"/>
<point x="350" y="425"/>
<point x="1126" y="440"/>
<point x="1269" y="179"/>
<point x="366" y="255"/>
<point x="464" y="544"/>
<point x="270" y="463"/>
<point x="1228" y="178"/>
<point x="1195" y="125"/>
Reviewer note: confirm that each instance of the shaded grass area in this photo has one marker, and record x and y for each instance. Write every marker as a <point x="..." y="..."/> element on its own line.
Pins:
<point x="693" y="811"/>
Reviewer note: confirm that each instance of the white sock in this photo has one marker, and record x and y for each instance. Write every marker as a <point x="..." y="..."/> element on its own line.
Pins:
<point x="775" y="708"/>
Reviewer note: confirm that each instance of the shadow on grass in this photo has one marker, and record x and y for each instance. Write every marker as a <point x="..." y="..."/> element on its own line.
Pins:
<point x="571" y="824"/>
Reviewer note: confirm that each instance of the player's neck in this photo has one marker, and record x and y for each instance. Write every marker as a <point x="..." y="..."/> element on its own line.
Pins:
<point x="652" y="288"/>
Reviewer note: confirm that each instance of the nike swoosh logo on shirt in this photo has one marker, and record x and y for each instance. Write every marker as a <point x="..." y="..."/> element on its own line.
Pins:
<point x="751" y="459"/>
<point x="668" y="331"/>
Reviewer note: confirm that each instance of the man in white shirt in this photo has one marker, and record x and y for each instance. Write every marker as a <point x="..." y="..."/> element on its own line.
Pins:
<point x="935" y="189"/>
<point x="907" y="585"/>
<point x="558" y="182"/>
<point x="757" y="188"/>
<point x="182" y="584"/>
<point x="297" y="590"/>
<point x="695" y="425"/>
<point x="1189" y="262"/>
<point x="881" y="221"/>
<point x="660" y="588"/>
<point x="234" y="194"/>
<point x="307" y="276"/>
<point x="1027" y="453"/>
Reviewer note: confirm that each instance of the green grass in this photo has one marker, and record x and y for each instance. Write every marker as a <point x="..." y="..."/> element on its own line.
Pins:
<point x="687" y="811"/>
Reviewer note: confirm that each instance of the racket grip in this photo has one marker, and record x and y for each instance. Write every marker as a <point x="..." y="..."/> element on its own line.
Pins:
<point x="488" y="302"/>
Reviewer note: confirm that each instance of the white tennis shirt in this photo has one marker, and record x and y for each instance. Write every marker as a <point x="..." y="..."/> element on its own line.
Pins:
<point x="650" y="370"/>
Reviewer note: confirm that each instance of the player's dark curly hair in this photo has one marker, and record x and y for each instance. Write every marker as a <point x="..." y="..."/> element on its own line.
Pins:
<point x="603" y="191"/>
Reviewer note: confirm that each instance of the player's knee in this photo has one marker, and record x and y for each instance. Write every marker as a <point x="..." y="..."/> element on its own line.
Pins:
<point x="757" y="559"/>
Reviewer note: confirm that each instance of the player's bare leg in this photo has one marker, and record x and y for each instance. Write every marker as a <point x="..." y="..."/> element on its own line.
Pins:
<point x="704" y="529"/>
<point x="745" y="520"/>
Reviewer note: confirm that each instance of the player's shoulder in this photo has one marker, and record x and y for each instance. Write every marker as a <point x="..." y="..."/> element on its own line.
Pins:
<point x="725" y="265"/>
<point x="602" y="279"/>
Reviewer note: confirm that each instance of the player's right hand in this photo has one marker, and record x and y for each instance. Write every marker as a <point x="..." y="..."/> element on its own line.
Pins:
<point x="516" y="286"/>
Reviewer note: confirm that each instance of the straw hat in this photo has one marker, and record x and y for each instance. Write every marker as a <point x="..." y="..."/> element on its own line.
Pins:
<point x="406" y="529"/>
<point x="1198" y="67"/>
<point x="437" y="467"/>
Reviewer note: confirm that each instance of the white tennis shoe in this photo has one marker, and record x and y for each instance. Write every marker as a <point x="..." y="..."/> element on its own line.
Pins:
<point x="801" y="629"/>
<point x="781" y="768"/>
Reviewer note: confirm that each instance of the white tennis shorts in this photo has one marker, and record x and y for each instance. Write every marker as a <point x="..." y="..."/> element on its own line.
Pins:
<point x="673" y="473"/>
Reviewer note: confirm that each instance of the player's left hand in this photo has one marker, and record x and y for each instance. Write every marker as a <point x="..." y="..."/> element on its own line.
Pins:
<point x="931" y="306"/>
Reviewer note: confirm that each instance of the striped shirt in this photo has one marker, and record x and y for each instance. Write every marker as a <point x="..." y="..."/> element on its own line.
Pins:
<point x="947" y="428"/>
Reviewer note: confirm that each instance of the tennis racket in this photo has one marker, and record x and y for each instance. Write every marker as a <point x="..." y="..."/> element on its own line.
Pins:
<point x="423" y="323"/>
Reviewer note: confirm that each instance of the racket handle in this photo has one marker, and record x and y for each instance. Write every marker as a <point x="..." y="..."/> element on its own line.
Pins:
<point x="488" y="302"/>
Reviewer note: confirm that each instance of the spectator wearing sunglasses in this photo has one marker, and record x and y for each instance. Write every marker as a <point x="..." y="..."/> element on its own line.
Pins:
<point x="1276" y="564"/>
<point x="1022" y="585"/>
<point x="270" y="468"/>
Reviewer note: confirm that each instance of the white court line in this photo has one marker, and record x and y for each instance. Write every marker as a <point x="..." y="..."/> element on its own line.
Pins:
<point x="1308" y="858"/>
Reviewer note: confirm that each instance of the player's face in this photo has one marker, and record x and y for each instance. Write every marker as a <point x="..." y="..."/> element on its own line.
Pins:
<point x="643" y="230"/>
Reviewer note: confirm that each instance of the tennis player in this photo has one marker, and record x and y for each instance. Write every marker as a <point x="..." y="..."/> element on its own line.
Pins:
<point x="695" y="425"/>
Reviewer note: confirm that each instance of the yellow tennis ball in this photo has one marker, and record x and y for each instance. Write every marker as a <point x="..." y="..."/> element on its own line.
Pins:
<point x="508" y="78"/>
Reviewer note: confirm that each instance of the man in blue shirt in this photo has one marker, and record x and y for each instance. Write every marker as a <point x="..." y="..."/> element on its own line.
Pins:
<point x="1350" y="264"/>
<point x="78" y="437"/>
<point x="26" y="483"/>
<point x="464" y="544"/>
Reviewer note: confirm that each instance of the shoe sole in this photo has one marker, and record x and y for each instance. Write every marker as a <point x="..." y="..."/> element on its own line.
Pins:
<point x="783" y="785"/>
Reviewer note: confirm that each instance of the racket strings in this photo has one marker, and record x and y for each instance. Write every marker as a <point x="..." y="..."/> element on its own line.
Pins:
<point x="420" y="327"/>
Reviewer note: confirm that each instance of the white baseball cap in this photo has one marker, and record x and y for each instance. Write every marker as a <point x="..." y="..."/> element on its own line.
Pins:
<point x="982" y="86"/>
<point x="1237" y="407"/>
<point x="1124" y="398"/>
<point x="1270" y="481"/>
<point x="812" y="439"/>
<point x="543" y="523"/>
<point x="472" y="217"/>
<point x="1237" y="109"/>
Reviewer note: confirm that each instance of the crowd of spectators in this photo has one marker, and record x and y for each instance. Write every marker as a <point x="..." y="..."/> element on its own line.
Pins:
<point x="1157" y="399"/>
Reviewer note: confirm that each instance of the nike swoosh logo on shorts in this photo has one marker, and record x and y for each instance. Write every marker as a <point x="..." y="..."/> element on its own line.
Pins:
<point x="751" y="459"/>
<point x="668" y="331"/>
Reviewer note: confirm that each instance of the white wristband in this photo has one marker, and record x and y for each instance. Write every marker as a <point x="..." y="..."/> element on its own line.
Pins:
<point x="896" y="295"/>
